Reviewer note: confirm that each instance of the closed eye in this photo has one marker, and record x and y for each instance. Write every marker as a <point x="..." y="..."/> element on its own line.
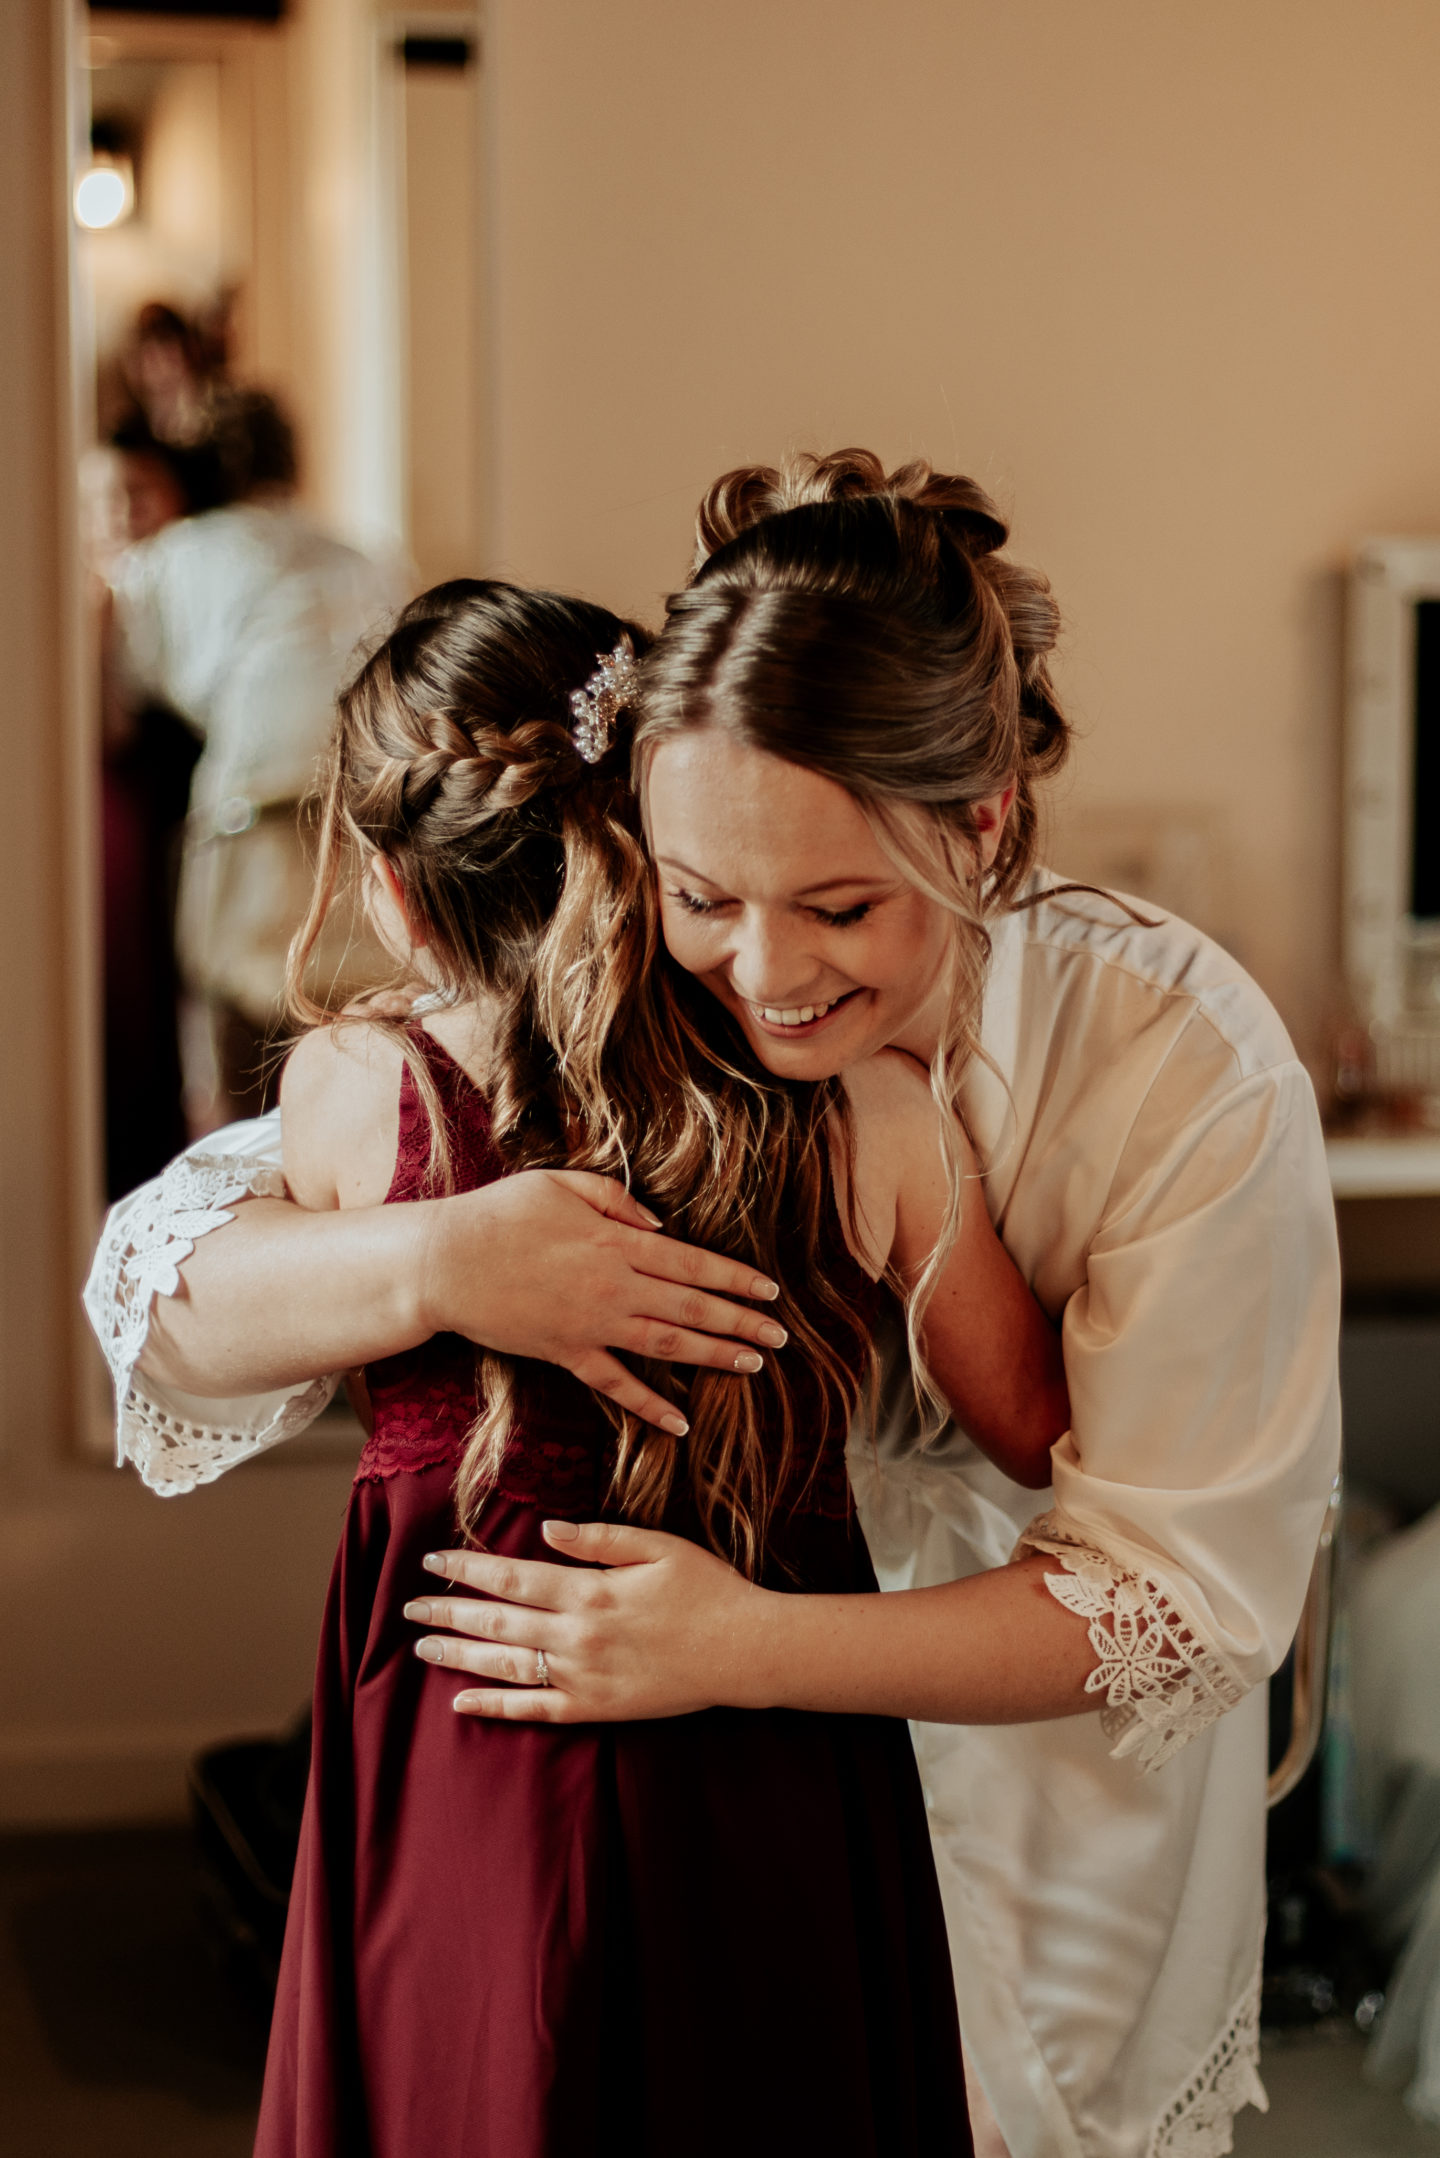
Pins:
<point x="847" y="916"/>
<point x="841" y="918"/>
<point x="694" y="904"/>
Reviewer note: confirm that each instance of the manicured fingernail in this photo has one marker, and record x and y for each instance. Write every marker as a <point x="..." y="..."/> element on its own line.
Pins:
<point x="562" y="1532"/>
<point x="464" y="1701"/>
<point x="675" y="1425"/>
<point x="748" y="1361"/>
<point x="774" y="1337"/>
<point x="646" y="1215"/>
<point x="430" y="1652"/>
<point x="761" y="1287"/>
<point x="433" y="1563"/>
<point x="419" y="1609"/>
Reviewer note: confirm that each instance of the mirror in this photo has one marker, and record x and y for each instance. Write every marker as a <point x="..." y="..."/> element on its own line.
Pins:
<point x="279" y="239"/>
<point x="1392" y="828"/>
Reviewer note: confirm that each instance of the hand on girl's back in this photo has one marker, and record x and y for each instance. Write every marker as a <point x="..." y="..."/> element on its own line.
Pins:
<point x="564" y="1265"/>
<point x="556" y="1264"/>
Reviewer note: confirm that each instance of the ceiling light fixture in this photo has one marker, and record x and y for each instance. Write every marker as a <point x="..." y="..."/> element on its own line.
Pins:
<point x="105" y="191"/>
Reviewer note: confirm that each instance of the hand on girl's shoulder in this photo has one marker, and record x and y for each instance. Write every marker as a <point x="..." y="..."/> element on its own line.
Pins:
<point x="340" y="1115"/>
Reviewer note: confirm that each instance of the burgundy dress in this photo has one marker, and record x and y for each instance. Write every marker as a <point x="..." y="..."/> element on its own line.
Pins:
<point x="712" y="1934"/>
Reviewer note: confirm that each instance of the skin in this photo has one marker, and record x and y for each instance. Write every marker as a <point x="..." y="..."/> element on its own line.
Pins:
<point x="776" y="893"/>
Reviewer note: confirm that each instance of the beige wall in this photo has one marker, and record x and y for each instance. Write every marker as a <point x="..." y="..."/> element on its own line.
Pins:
<point x="445" y="376"/>
<point x="1163" y="277"/>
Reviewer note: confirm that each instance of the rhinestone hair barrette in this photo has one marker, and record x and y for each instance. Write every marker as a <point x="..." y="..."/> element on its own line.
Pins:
<point x="610" y="688"/>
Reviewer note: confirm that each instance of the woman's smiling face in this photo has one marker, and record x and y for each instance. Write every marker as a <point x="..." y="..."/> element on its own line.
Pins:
<point x="775" y="891"/>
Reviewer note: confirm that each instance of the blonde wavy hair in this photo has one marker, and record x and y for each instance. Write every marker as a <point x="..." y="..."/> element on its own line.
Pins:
<point x="453" y="756"/>
<point x="864" y="624"/>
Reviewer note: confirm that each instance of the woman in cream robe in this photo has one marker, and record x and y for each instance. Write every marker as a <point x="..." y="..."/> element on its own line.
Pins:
<point x="1155" y="1167"/>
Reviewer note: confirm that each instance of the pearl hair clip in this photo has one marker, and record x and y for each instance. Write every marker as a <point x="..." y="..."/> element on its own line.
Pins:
<point x="611" y="687"/>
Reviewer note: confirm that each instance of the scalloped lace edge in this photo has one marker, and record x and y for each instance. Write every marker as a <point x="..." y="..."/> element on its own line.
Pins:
<point x="174" y="1455"/>
<point x="1199" y="2120"/>
<point x="1163" y="1684"/>
<point x="145" y="1241"/>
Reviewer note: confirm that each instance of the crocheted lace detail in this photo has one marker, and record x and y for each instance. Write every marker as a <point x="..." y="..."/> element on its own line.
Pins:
<point x="174" y="1455"/>
<point x="1163" y="1684"/>
<point x="146" y="1241"/>
<point x="1199" y="2120"/>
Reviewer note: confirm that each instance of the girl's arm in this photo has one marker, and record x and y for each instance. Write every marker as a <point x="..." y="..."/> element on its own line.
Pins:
<point x="991" y="1351"/>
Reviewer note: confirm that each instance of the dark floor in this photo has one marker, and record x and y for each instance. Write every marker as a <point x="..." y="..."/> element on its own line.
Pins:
<point x="126" y="2030"/>
<point x="122" y="2035"/>
<point x="1322" y="2107"/>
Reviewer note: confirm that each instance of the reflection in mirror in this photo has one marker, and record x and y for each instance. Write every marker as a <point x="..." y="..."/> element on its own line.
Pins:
<point x="284" y="392"/>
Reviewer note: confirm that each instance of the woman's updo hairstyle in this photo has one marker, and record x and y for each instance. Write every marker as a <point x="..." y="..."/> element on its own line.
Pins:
<point x="865" y="624"/>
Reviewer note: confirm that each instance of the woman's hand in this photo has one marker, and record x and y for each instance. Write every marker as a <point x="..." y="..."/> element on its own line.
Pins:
<point x="667" y="1628"/>
<point x="567" y="1267"/>
<point x="654" y="1627"/>
<point x="552" y="1264"/>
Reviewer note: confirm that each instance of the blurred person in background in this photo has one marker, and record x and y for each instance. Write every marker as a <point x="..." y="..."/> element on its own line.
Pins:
<point x="168" y="375"/>
<point x="133" y="487"/>
<point x="243" y="619"/>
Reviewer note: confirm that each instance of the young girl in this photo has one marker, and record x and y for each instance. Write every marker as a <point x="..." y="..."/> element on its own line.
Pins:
<point x="687" y="1934"/>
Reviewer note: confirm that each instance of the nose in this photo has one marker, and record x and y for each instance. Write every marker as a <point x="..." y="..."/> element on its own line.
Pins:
<point x="770" y="959"/>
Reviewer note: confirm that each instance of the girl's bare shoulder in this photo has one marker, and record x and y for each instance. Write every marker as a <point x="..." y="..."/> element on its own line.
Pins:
<point x="340" y="1114"/>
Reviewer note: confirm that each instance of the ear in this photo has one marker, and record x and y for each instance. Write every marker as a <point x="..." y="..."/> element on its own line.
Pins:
<point x="385" y="899"/>
<point x="990" y="814"/>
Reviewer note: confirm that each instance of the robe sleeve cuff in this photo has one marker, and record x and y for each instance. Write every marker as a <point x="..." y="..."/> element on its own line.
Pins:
<point x="1163" y="1683"/>
<point x="178" y="1442"/>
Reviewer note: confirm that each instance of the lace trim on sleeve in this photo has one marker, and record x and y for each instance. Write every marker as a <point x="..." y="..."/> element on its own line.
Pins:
<point x="1198" y="2121"/>
<point x="145" y="1241"/>
<point x="1163" y="1684"/>
<point x="174" y="1455"/>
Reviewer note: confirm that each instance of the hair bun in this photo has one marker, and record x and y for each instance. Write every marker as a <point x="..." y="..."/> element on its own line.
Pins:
<point x="750" y="493"/>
